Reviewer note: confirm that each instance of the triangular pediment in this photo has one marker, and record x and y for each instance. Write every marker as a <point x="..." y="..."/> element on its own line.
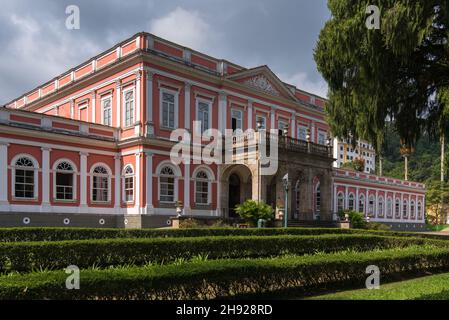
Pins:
<point x="264" y="80"/>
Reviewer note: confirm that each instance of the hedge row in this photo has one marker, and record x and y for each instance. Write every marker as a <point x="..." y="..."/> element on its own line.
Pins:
<point x="230" y="278"/>
<point x="26" y="256"/>
<point x="60" y="234"/>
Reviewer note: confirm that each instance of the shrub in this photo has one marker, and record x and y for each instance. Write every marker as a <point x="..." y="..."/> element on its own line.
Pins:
<point x="355" y="218"/>
<point x="28" y="256"/>
<point x="377" y="226"/>
<point x="230" y="278"/>
<point x="253" y="211"/>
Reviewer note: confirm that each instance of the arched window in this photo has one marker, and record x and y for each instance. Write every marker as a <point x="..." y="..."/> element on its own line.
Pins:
<point x="380" y="208"/>
<point x="25" y="178"/>
<point x="340" y="202"/>
<point x="351" y="202"/>
<point x="397" y="209"/>
<point x="389" y="208"/>
<point x="318" y="198"/>
<point x="64" y="181"/>
<point x="371" y="202"/>
<point x="420" y="213"/>
<point x="202" y="192"/>
<point x="100" y="184"/>
<point x="405" y="209"/>
<point x="412" y="209"/>
<point x="362" y="203"/>
<point x="128" y="184"/>
<point x="167" y="185"/>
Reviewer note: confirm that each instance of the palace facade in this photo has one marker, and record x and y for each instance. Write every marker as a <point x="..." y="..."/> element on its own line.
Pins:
<point x="92" y="146"/>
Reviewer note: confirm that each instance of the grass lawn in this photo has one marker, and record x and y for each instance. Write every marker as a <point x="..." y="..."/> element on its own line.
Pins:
<point x="437" y="228"/>
<point x="434" y="287"/>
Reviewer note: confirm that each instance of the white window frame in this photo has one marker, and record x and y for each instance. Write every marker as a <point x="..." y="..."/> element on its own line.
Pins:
<point x="323" y="134"/>
<point x="390" y="208"/>
<point x="351" y="196"/>
<point x="209" y="186"/>
<point x="380" y="207"/>
<point x="420" y="209"/>
<point x="103" y="99"/>
<point x="300" y="127"/>
<point x="241" y="118"/>
<point x="124" y="177"/>
<point x="74" y="187"/>
<point x="36" y="177"/>
<point x="176" y="108"/>
<point x="340" y="196"/>
<point x="362" y="201"/>
<point x="82" y="106"/>
<point x="125" y="91"/>
<point x="92" y="175"/>
<point x="177" y="174"/>
<point x="371" y="205"/>
<point x="209" y="114"/>
<point x="285" y="124"/>
<point x="405" y="208"/>
<point x="397" y="203"/>
<point x="413" y="204"/>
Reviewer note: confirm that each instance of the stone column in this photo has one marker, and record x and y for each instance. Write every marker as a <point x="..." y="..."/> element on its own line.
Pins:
<point x="250" y="114"/>
<point x="326" y="197"/>
<point x="137" y="187"/>
<point x="222" y="106"/>
<point x="46" y="179"/>
<point x="118" y="97"/>
<point x="273" y="119"/>
<point x="4" y="174"/>
<point x="83" y="181"/>
<point x="117" y="177"/>
<point x="293" y="127"/>
<point x="149" y="105"/>
<point x="72" y="109"/>
<point x="149" y="183"/>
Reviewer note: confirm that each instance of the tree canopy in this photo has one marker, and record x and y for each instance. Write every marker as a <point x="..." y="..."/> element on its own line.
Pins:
<point x="398" y="73"/>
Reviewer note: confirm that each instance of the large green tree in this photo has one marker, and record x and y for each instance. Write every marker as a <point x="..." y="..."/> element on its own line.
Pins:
<point x="398" y="73"/>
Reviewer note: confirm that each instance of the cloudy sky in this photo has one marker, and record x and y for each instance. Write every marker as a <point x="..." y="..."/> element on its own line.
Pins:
<point x="36" y="46"/>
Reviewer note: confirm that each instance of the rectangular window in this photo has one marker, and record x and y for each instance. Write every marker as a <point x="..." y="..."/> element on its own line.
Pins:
<point x="202" y="192"/>
<point x="237" y="120"/>
<point x="281" y="126"/>
<point x="129" y="108"/>
<point x="203" y="115"/>
<point x="322" y="137"/>
<point x="107" y="111"/>
<point x="24" y="184"/>
<point x="168" y="110"/>
<point x="302" y="133"/>
<point x="263" y="122"/>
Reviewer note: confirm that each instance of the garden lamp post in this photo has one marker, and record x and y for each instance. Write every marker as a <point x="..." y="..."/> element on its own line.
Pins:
<point x="259" y="127"/>
<point x="285" y="181"/>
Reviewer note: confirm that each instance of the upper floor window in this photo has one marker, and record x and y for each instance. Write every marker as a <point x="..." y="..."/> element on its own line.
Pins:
<point x="168" y="110"/>
<point x="204" y="115"/>
<point x="129" y="107"/>
<point x="263" y="122"/>
<point x="302" y="133"/>
<point x="25" y="178"/>
<point x="107" y="111"/>
<point x="282" y="125"/>
<point x="322" y="137"/>
<point x="65" y="181"/>
<point x="236" y="120"/>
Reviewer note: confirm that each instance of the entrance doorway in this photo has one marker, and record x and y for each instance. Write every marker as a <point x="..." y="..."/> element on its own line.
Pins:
<point x="234" y="194"/>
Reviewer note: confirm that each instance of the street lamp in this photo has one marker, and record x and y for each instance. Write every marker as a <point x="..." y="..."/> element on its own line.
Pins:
<point x="259" y="124"/>
<point x="308" y="137"/>
<point x="285" y="182"/>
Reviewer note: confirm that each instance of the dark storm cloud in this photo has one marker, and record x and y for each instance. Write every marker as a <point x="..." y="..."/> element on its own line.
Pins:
<point x="36" y="46"/>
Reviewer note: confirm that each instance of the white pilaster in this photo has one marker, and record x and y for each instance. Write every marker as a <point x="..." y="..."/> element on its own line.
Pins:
<point x="187" y="188"/>
<point x="250" y="114"/>
<point x="118" y="98"/>
<point x="273" y="119"/>
<point x="149" y="182"/>
<point x="313" y="137"/>
<point x="346" y="198"/>
<point x="149" y="105"/>
<point x="72" y="109"/>
<point x="46" y="178"/>
<point x="94" y="106"/>
<point x="357" y="200"/>
<point x="137" y="188"/>
<point x="222" y="105"/>
<point x="376" y="205"/>
<point x="83" y="180"/>
<point x="117" y="176"/>
<point x="3" y="174"/>
<point x="138" y="107"/>
<point x="293" y="127"/>
<point x="187" y="97"/>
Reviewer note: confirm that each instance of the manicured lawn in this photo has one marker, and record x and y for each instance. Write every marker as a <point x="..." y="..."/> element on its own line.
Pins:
<point x="434" y="287"/>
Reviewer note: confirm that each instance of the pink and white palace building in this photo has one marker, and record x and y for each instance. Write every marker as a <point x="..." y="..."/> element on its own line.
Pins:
<point x="91" y="147"/>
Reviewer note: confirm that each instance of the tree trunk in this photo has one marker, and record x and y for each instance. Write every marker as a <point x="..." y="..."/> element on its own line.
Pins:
<point x="381" y="173"/>
<point x="442" y="141"/>
<point x="406" y="167"/>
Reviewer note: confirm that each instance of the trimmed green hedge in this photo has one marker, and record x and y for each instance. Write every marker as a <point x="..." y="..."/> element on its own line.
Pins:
<point x="230" y="278"/>
<point x="61" y="234"/>
<point x="25" y="256"/>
